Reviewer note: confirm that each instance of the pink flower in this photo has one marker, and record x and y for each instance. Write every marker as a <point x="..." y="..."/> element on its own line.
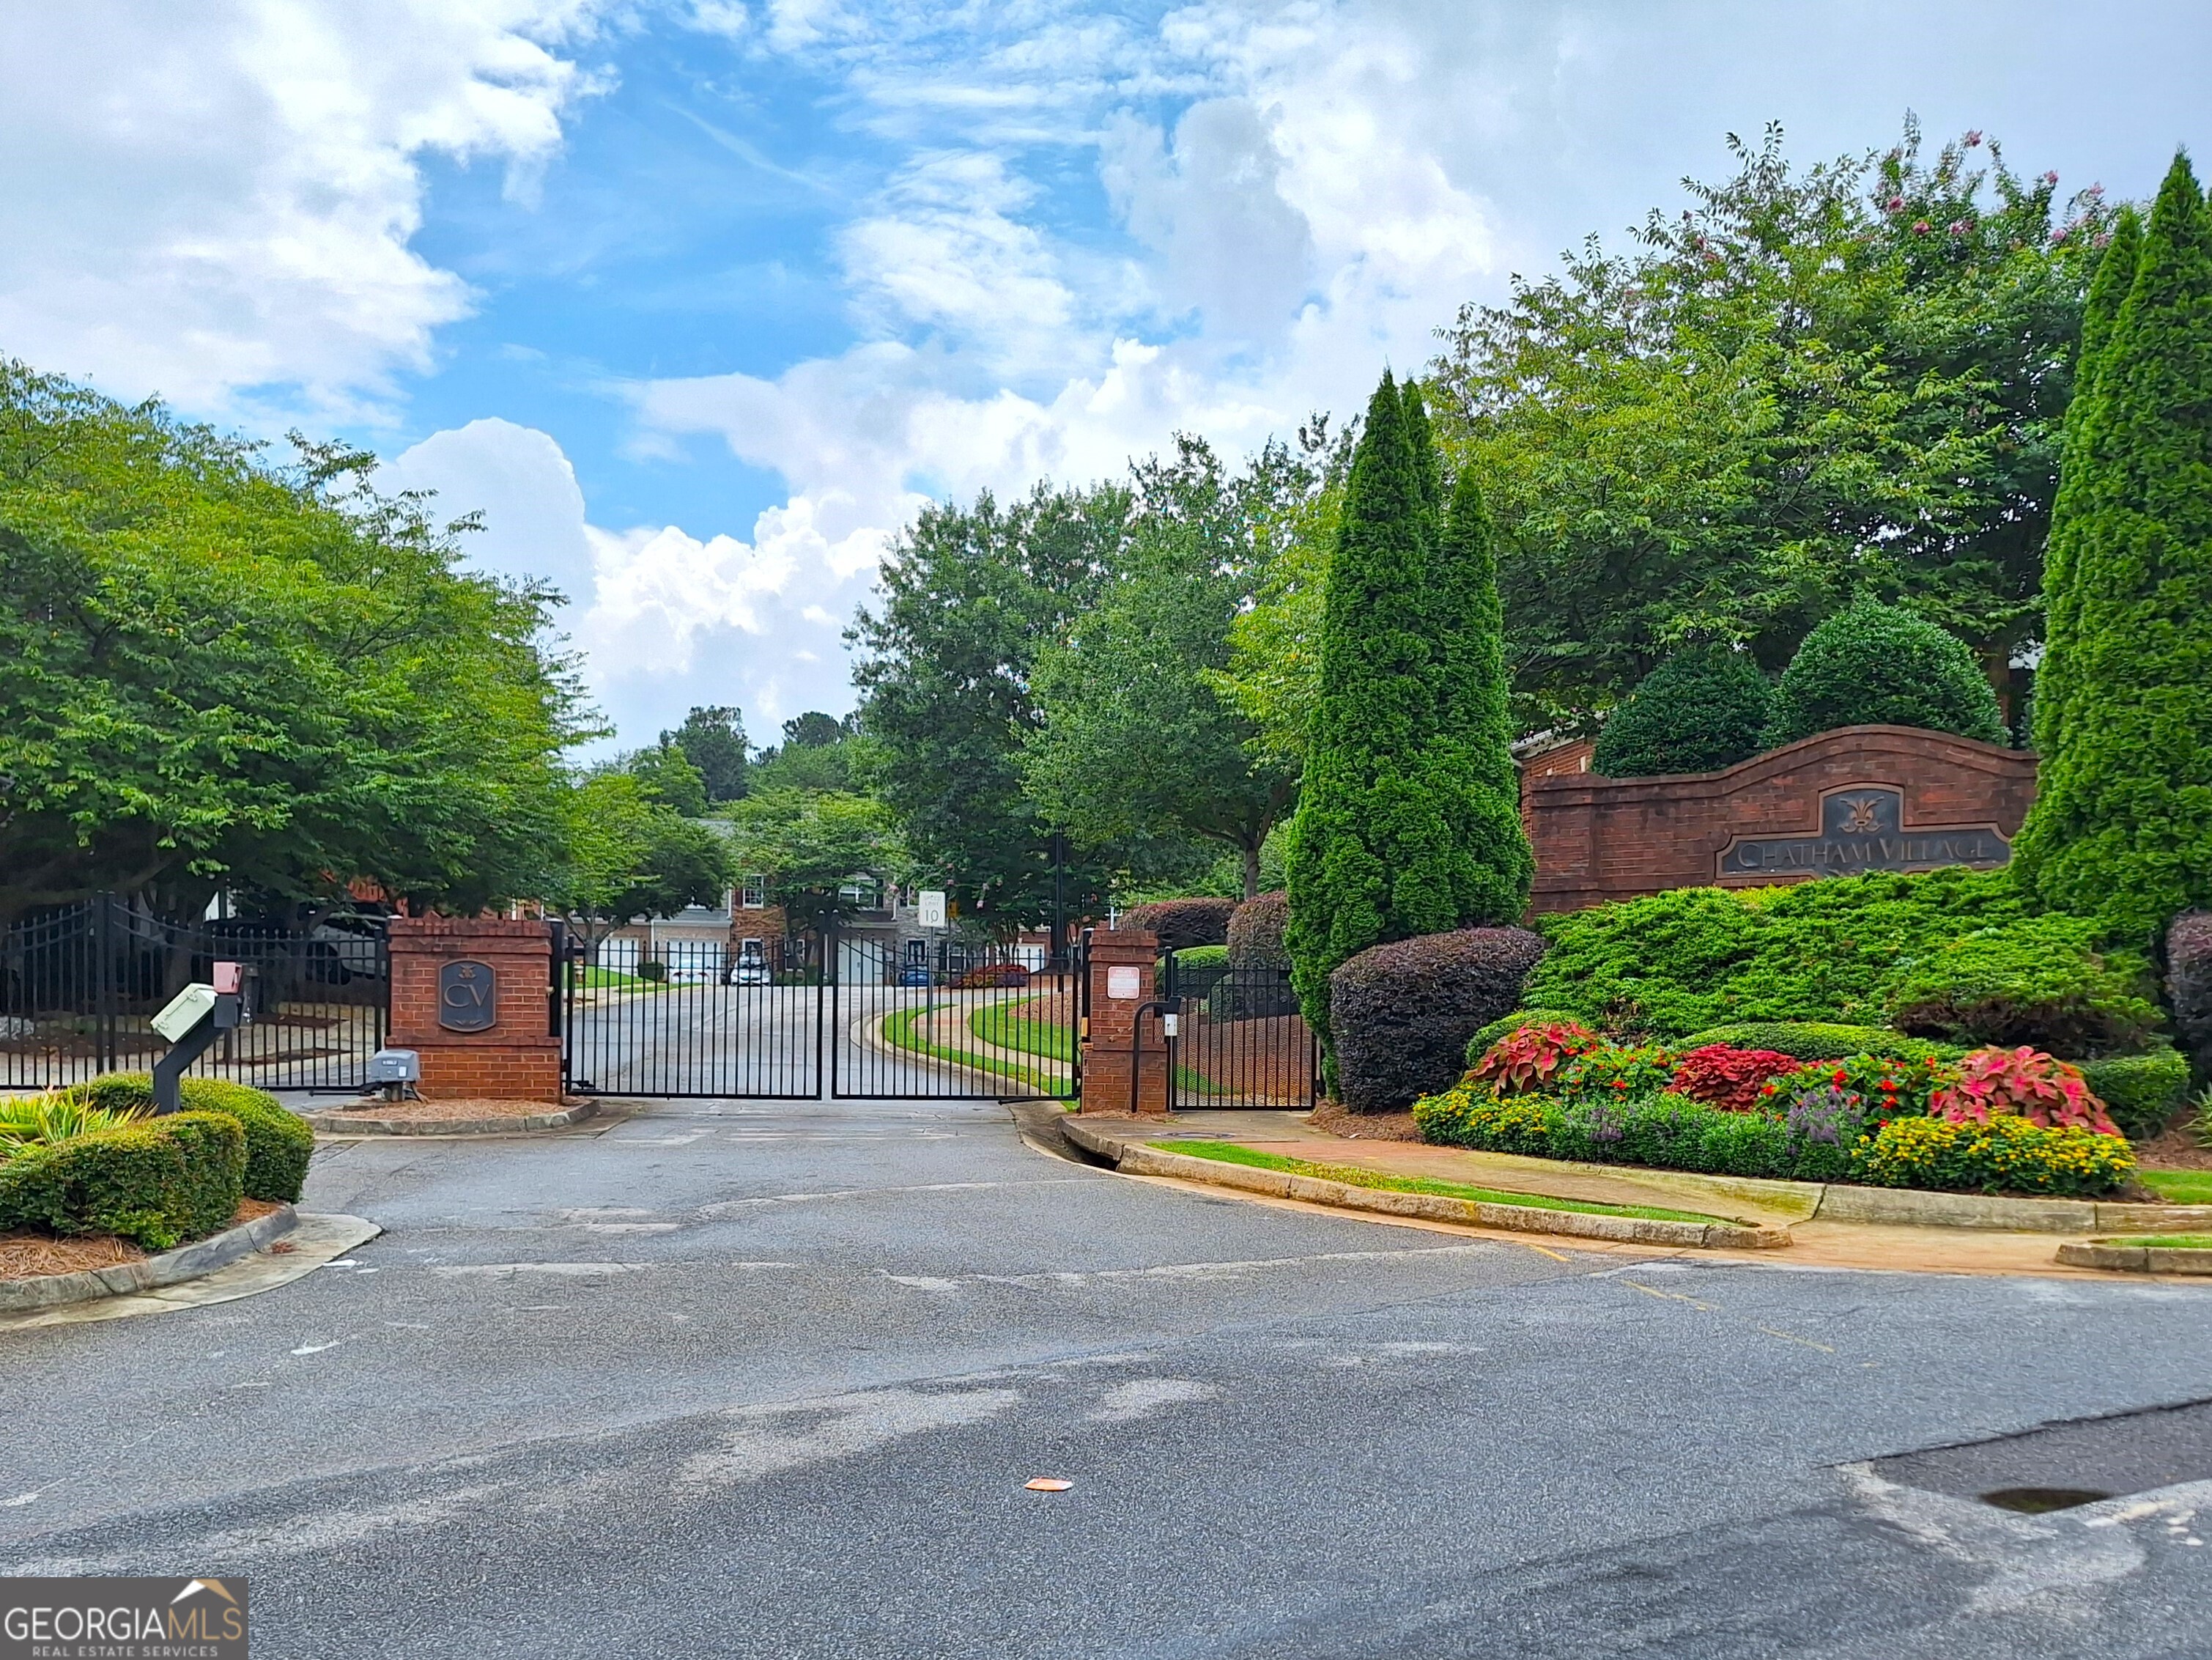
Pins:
<point x="1895" y="204"/>
<point x="1958" y="228"/>
<point x="1973" y="138"/>
<point x="2094" y="190"/>
<point x="2049" y="178"/>
<point x="1920" y="227"/>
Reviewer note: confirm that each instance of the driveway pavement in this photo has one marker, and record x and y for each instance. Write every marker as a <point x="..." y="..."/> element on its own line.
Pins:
<point x="766" y="1379"/>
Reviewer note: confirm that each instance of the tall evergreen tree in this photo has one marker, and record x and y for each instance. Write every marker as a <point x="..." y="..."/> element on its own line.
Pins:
<point x="2122" y="828"/>
<point x="1407" y="824"/>
<point x="2108" y="291"/>
<point x="1469" y="763"/>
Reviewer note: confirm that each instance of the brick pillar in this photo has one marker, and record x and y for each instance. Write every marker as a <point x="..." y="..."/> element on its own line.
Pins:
<point x="515" y="1057"/>
<point x="1122" y="981"/>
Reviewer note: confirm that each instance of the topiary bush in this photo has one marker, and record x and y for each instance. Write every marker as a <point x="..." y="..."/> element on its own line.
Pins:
<point x="1181" y="923"/>
<point x="1700" y="710"/>
<point x="1202" y="957"/>
<point x="1484" y="1041"/>
<point x="2020" y="1083"/>
<point x="2142" y="1092"/>
<point x="1820" y="1040"/>
<point x="157" y="1183"/>
<point x="1402" y="1012"/>
<point x="1692" y="958"/>
<point x="1255" y="932"/>
<point x="2189" y="985"/>
<point x="1875" y="664"/>
<point x="278" y="1141"/>
<point x="2035" y="980"/>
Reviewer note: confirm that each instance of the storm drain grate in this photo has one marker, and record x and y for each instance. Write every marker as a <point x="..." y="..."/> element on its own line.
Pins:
<point x="2061" y="1465"/>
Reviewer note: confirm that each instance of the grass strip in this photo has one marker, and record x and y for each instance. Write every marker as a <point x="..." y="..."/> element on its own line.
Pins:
<point x="900" y="1031"/>
<point x="1355" y="1175"/>
<point x="1002" y="1023"/>
<point x="2159" y="1241"/>
<point x="2181" y="1186"/>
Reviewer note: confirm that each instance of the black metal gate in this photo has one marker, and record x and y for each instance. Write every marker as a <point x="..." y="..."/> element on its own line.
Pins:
<point x="1239" y="1039"/>
<point x="868" y="1017"/>
<point x="692" y="1020"/>
<point x="79" y="985"/>
<point x="939" y="1020"/>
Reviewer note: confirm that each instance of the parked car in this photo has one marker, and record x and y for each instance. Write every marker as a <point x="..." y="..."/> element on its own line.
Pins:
<point x="749" y="968"/>
<point x="992" y="974"/>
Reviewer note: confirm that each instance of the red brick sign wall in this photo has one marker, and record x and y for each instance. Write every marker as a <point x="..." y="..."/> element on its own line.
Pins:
<point x="515" y="1057"/>
<point x="1859" y="798"/>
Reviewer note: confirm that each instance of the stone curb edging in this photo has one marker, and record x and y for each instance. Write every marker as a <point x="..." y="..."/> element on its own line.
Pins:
<point x="1842" y="1202"/>
<point x="188" y="1262"/>
<point x="2134" y="1259"/>
<point x="345" y="1121"/>
<point x="1136" y="1158"/>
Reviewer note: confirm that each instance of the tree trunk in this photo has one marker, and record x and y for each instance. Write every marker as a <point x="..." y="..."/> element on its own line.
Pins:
<point x="1251" y="850"/>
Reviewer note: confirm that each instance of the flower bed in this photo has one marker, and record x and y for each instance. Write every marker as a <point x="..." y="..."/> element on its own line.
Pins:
<point x="1997" y="1120"/>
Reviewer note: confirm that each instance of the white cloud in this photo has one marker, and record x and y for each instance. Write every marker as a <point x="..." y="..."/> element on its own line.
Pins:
<point x="216" y="201"/>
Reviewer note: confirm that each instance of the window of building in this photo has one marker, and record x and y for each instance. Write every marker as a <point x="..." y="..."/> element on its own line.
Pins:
<point x="753" y="893"/>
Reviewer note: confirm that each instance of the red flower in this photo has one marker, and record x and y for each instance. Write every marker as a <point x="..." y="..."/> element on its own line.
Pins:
<point x="1838" y="1075"/>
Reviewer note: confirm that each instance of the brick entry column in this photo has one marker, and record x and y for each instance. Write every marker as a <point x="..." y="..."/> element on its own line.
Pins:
<point x="497" y="1047"/>
<point x="1120" y="982"/>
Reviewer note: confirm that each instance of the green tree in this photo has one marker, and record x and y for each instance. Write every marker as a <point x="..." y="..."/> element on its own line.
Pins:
<point x="811" y="845"/>
<point x="666" y="776"/>
<point x="818" y="752"/>
<point x="1811" y="384"/>
<point x="2122" y="826"/>
<point x="970" y="596"/>
<point x="814" y="730"/>
<point x="1702" y="710"/>
<point x="1134" y="740"/>
<point x="713" y="739"/>
<point x="1371" y="857"/>
<point x="222" y="673"/>
<point x="1876" y="665"/>
<point x="629" y="856"/>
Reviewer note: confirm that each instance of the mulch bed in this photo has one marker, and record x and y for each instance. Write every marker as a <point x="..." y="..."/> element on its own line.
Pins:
<point x="25" y="1255"/>
<point x="2177" y="1149"/>
<point x="431" y="1112"/>
<point x="1340" y="1119"/>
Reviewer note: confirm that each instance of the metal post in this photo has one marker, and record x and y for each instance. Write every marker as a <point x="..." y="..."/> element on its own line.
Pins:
<point x="1060" y="902"/>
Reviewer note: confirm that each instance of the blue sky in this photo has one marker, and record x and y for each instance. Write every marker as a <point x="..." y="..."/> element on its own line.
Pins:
<point x="697" y="300"/>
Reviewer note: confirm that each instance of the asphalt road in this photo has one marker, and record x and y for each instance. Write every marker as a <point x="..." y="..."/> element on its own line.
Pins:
<point x="741" y="1379"/>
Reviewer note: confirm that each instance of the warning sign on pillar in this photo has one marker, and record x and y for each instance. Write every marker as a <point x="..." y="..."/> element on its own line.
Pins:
<point x="1124" y="982"/>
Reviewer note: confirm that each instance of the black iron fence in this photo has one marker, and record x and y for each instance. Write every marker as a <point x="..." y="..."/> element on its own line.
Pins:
<point x="694" y="1019"/>
<point x="1240" y="1040"/>
<point x="79" y="986"/>
<point x="945" y="1020"/>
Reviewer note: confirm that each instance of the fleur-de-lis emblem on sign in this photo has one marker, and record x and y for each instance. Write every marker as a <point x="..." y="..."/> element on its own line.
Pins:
<point x="1859" y="818"/>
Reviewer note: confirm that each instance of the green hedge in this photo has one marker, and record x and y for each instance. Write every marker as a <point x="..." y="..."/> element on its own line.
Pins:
<point x="1202" y="957"/>
<point x="2141" y="1092"/>
<point x="1670" y="1131"/>
<point x="156" y="1183"/>
<point x="278" y="1142"/>
<point x="2034" y="980"/>
<point x="1819" y="1040"/>
<point x="1845" y="949"/>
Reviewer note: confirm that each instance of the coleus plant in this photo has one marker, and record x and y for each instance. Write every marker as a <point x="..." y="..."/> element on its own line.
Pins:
<point x="2021" y="1083"/>
<point x="1530" y="1059"/>
<point x="1727" y="1078"/>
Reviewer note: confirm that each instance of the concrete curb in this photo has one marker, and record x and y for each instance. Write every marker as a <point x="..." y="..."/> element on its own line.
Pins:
<point x="349" y="1121"/>
<point x="1912" y="1208"/>
<point x="202" y="1256"/>
<point x="2134" y="1259"/>
<point x="1136" y="1158"/>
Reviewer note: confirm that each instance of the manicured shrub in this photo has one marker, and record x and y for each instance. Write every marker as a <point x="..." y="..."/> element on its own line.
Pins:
<point x="1875" y="664"/>
<point x="1484" y="1041"/>
<point x="156" y="1183"/>
<point x="2122" y="825"/>
<point x="1885" y="1086"/>
<point x="2037" y="980"/>
<point x="2189" y="985"/>
<point x="1692" y="958"/>
<point x="1408" y="819"/>
<point x="2001" y="1154"/>
<point x="1530" y="1058"/>
<point x="2020" y="1083"/>
<point x="1702" y="710"/>
<point x="2142" y="1092"/>
<point x="1202" y="957"/>
<point x="1727" y="1078"/>
<point x="1181" y="923"/>
<point x="278" y="1141"/>
<point x="1816" y="1040"/>
<point x="1402" y="1012"/>
<point x="1255" y="932"/>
